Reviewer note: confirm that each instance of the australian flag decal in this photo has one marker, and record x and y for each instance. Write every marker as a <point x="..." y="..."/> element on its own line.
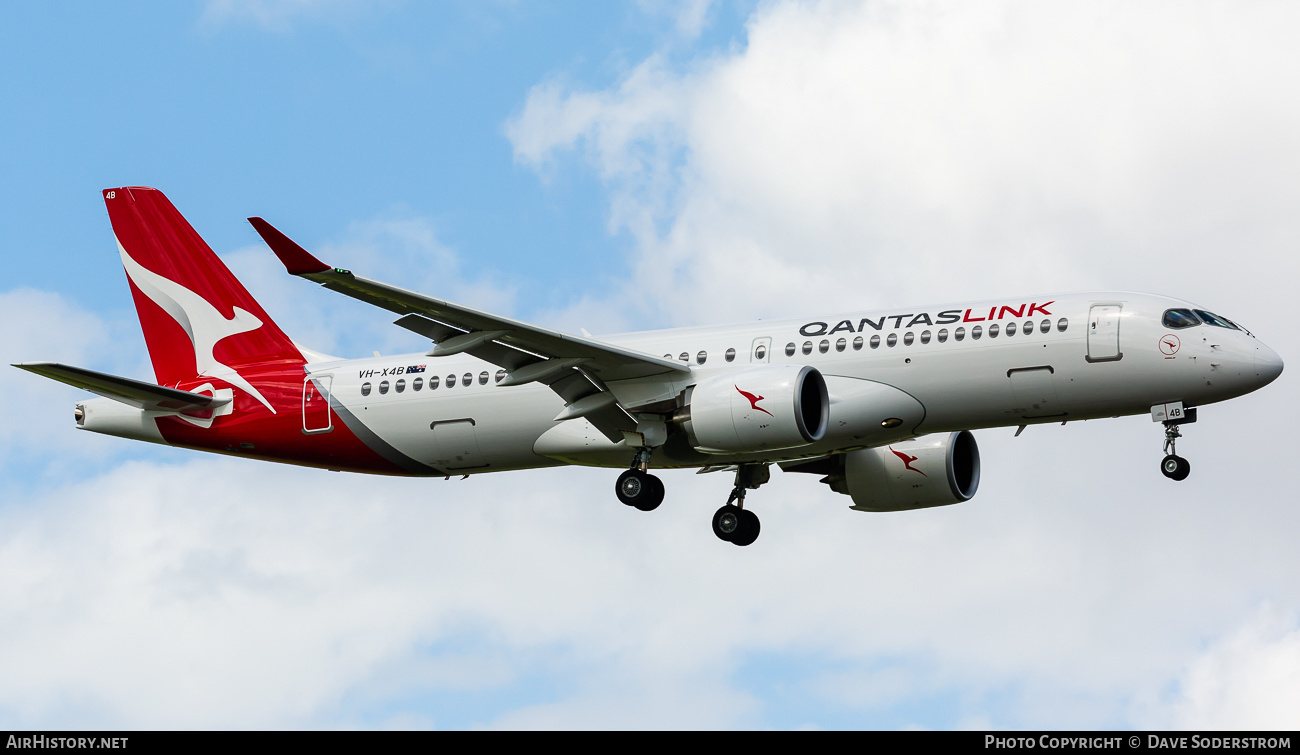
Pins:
<point x="415" y="368"/>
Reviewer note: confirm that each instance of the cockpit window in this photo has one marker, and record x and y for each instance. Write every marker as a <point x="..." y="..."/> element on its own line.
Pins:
<point x="1212" y="319"/>
<point x="1179" y="318"/>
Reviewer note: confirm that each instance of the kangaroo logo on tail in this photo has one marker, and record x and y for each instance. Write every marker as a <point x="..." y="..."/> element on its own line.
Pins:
<point x="204" y="324"/>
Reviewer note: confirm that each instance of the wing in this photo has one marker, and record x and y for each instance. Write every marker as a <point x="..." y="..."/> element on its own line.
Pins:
<point x="135" y="393"/>
<point x="574" y="367"/>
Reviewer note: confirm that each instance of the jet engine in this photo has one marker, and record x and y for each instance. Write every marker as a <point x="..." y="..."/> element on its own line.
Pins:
<point x="758" y="409"/>
<point x="932" y="470"/>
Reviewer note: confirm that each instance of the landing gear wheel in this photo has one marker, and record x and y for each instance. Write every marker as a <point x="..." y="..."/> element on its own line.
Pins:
<point x="654" y="496"/>
<point x="639" y="489"/>
<point x="735" y="525"/>
<point x="748" y="532"/>
<point x="727" y="522"/>
<point x="1175" y="467"/>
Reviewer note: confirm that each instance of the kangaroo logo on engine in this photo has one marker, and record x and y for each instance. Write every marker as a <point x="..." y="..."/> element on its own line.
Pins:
<point x="753" y="401"/>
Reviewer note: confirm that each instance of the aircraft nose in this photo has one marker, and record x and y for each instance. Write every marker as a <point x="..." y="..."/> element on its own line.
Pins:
<point x="1268" y="365"/>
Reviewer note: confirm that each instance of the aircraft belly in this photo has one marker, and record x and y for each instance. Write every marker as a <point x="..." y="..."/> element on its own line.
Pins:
<point x="491" y="429"/>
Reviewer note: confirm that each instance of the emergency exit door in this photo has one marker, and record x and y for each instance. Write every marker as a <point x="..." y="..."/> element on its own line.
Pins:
<point x="1103" y="333"/>
<point x="316" y="417"/>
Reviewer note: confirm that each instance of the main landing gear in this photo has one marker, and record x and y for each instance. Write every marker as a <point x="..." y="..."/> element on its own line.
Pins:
<point x="638" y="488"/>
<point x="733" y="522"/>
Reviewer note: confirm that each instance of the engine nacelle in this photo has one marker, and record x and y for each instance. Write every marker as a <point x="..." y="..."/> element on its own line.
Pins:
<point x="933" y="470"/>
<point x="758" y="409"/>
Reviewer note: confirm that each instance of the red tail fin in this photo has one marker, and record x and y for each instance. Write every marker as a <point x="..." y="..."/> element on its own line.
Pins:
<point x="198" y="320"/>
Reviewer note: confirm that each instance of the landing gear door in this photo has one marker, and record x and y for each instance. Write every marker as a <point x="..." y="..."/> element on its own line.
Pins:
<point x="761" y="351"/>
<point x="1103" y="333"/>
<point x="455" y="445"/>
<point x="316" y="417"/>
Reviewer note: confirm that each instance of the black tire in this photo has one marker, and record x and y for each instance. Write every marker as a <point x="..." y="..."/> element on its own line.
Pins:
<point x="749" y="527"/>
<point x="652" y="496"/>
<point x="632" y="486"/>
<point x="1175" y="467"/>
<point x="727" y="521"/>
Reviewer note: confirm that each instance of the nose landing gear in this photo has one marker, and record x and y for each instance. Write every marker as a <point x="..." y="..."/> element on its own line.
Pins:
<point x="1174" y="466"/>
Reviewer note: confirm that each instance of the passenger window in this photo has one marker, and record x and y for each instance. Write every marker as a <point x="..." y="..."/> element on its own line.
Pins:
<point x="668" y="356"/>
<point x="383" y="386"/>
<point x="730" y="356"/>
<point x="875" y="342"/>
<point x="365" y="389"/>
<point x="417" y="384"/>
<point x="684" y="357"/>
<point x="702" y="357"/>
<point x="824" y="346"/>
<point x="993" y="330"/>
<point x="467" y="379"/>
<point x="841" y="344"/>
<point x="760" y="352"/>
<point x="925" y="336"/>
<point x="857" y="343"/>
<point x="1212" y="319"/>
<point x="892" y="340"/>
<point x="807" y="347"/>
<point x="399" y="386"/>
<point x="959" y="334"/>
<point x="1011" y="328"/>
<point x="943" y="335"/>
<point x="908" y="337"/>
<point x="976" y="332"/>
<point x="1045" y="326"/>
<point x="1062" y="324"/>
<point x="483" y="378"/>
<point x="790" y="349"/>
<point x="501" y="375"/>
<point x="433" y="382"/>
<point x="451" y="381"/>
<point x="1028" y="328"/>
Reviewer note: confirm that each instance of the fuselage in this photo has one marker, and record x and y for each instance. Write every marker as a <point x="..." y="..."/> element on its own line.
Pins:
<point x="890" y="375"/>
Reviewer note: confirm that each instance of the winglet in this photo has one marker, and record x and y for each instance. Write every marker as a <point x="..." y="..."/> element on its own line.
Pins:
<point x="297" y="261"/>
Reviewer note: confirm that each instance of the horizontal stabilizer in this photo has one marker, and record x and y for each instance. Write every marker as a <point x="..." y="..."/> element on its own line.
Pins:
<point x="135" y="393"/>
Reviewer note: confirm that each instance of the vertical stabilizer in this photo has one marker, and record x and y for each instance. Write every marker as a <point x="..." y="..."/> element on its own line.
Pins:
<point x="198" y="320"/>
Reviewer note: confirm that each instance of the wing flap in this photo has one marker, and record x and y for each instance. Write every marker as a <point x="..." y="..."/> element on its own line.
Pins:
<point x="135" y="393"/>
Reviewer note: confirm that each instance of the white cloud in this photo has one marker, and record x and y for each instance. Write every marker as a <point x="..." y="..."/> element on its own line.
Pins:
<point x="690" y="17"/>
<point x="396" y="248"/>
<point x="1247" y="680"/>
<point x="863" y="153"/>
<point x="221" y="592"/>
<point x="36" y="413"/>
<point x="849" y="155"/>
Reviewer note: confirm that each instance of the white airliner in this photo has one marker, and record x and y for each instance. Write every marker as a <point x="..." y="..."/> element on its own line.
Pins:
<point x="881" y="404"/>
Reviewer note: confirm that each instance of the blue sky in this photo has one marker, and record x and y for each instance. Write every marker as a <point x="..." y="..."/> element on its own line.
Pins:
<point x="374" y="106"/>
<point x="651" y="164"/>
